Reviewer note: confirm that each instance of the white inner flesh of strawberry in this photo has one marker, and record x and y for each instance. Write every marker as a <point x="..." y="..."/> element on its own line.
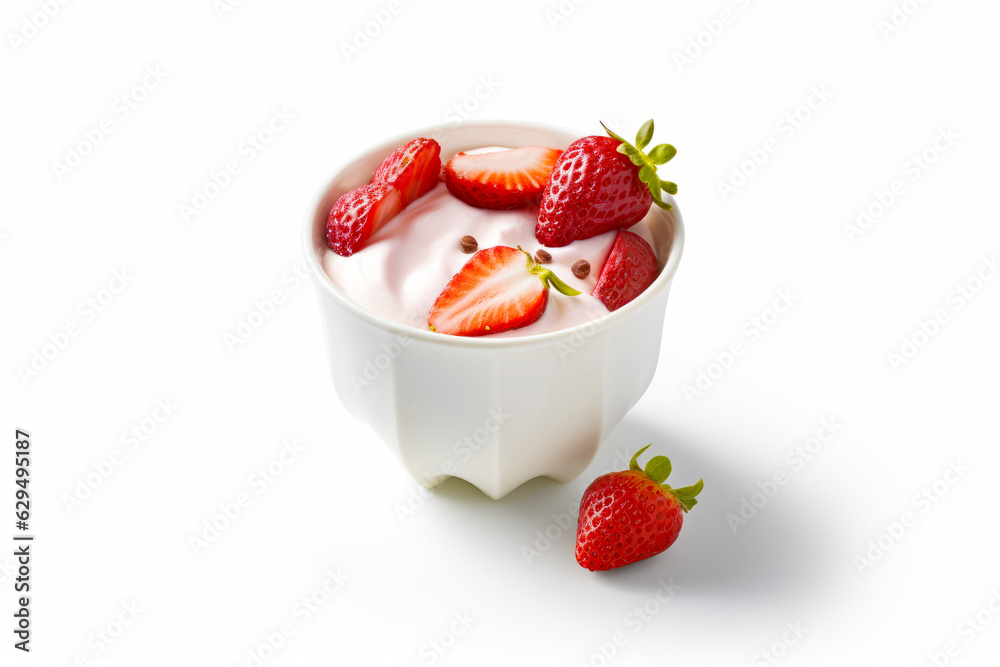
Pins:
<point x="504" y="294"/>
<point x="502" y="164"/>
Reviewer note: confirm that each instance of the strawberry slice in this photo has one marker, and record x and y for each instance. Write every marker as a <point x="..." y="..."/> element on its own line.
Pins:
<point x="498" y="289"/>
<point x="358" y="214"/>
<point x="500" y="179"/>
<point x="630" y="269"/>
<point x="409" y="172"/>
<point x="413" y="169"/>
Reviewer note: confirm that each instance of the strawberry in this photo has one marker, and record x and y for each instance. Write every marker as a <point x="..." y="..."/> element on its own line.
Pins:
<point x="409" y="172"/>
<point x="498" y="289"/>
<point x="500" y="179"/>
<point x="630" y="269"/>
<point x="600" y="184"/>
<point x="413" y="169"/>
<point x="631" y="515"/>
<point x="358" y="214"/>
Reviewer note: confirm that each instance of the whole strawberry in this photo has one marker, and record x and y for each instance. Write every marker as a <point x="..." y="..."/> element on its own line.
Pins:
<point x="600" y="184"/>
<point x="631" y="515"/>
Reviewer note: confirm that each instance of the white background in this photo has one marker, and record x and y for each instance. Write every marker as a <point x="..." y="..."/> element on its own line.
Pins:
<point x="336" y="506"/>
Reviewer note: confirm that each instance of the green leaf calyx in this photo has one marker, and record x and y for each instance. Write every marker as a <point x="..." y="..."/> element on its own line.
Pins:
<point x="548" y="278"/>
<point x="647" y="162"/>
<point x="658" y="469"/>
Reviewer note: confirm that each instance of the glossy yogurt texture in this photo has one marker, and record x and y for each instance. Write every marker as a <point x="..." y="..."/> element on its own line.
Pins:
<point x="404" y="266"/>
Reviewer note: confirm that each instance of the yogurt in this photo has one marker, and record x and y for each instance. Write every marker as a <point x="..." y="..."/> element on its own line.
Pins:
<point x="405" y="265"/>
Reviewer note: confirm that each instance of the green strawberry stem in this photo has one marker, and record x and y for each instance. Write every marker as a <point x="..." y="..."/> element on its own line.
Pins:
<point x="647" y="161"/>
<point x="547" y="277"/>
<point x="658" y="469"/>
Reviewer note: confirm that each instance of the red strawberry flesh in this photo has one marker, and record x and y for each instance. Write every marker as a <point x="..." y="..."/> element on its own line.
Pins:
<point x="493" y="292"/>
<point x="413" y="169"/>
<point x="631" y="268"/>
<point x="593" y="189"/>
<point x="498" y="289"/>
<point x="360" y="213"/>
<point x="625" y="517"/>
<point x="631" y="515"/>
<point x="505" y="179"/>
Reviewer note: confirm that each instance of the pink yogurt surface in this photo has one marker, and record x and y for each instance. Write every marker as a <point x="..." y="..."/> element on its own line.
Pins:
<point x="403" y="267"/>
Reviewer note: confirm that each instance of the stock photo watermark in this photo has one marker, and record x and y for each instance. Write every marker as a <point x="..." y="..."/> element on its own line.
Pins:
<point x="796" y="459"/>
<point x="711" y="30"/>
<point x="922" y="503"/>
<point x="124" y="105"/>
<point x="562" y="523"/>
<point x="131" y="440"/>
<point x="786" y="127"/>
<point x="301" y="612"/>
<point x="928" y="328"/>
<point x="87" y="311"/>
<point x="634" y="621"/>
<point x="751" y="332"/>
<point x="466" y="107"/>
<point x="7" y="569"/>
<point x="263" y="308"/>
<point x="912" y="170"/>
<point x="99" y="641"/>
<point x="560" y="13"/>
<point x="462" y="451"/>
<point x="772" y="655"/>
<point x="578" y="339"/>
<point x="223" y="8"/>
<point x="230" y="511"/>
<point x="375" y="366"/>
<point x="366" y="33"/>
<point x="250" y="147"/>
<point x="966" y="632"/>
<point x="898" y="16"/>
<point x="437" y="646"/>
<point x="33" y="23"/>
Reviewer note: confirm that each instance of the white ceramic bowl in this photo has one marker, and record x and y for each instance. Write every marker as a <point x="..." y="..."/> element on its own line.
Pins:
<point x="493" y="411"/>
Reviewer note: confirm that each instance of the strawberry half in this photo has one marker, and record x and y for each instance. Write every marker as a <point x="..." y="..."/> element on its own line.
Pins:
<point x="600" y="184"/>
<point x="409" y="172"/>
<point x="630" y="269"/>
<point x="631" y="515"/>
<point x="413" y="169"/>
<point x="498" y="289"/>
<point x="358" y="214"/>
<point x="500" y="179"/>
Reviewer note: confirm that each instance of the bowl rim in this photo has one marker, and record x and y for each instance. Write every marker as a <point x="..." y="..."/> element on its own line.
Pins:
<point x="326" y="284"/>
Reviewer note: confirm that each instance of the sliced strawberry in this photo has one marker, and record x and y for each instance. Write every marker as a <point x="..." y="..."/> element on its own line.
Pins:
<point x="358" y="214"/>
<point x="630" y="269"/>
<point x="413" y="169"/>
<point x="500" y="179"/>
<point x="498" y="289"/>
<point x="409" y="172"/>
